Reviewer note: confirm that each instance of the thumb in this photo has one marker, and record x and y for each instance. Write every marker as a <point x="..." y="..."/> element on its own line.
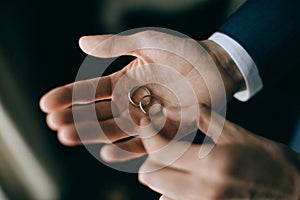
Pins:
<point x="163" y="197"/>
<point x="218" y="128"/>
<point x="197" y="116"/>
<point x="89" y="44"/>
<point x="209" y="122"/>
<point x="161" y="150"/>
<point x="107" y="46"/>
<point x="151" y="139"/>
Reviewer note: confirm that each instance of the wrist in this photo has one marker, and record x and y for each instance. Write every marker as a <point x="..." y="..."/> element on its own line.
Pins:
<point x="234" y="80"/>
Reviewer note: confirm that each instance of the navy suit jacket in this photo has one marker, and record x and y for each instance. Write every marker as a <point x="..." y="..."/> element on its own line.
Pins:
<point x="269" y="30"/>
<point x="262" y="26"/>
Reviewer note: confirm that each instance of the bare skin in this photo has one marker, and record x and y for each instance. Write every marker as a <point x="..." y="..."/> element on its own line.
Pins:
<point x="154" y="59"/>
<point x="240" y="166"/>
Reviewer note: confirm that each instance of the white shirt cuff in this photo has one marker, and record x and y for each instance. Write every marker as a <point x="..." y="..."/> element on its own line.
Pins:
<point x="244" y="62"/>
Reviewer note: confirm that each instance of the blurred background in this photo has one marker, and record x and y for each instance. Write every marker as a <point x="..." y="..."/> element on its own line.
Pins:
<point x="39" y="51"/>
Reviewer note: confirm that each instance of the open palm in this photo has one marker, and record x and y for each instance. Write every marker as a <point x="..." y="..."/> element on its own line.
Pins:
<point x="177" y="71"/>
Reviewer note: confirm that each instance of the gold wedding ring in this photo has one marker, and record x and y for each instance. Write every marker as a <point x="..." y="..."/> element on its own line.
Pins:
<point x="151" y="98"/>
<point x="141" y="103"/>
<point x="134" y="89"/>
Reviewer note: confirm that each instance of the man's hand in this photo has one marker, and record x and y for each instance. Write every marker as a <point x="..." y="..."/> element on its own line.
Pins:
<point x="240" y="166"/>
<point x="179" y="71"/>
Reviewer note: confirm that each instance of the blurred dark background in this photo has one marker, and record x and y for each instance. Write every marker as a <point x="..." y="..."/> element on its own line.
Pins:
<point x="39" y="51"/>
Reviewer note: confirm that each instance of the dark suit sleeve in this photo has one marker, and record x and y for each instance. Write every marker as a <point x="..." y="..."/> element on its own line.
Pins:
<point x="262" y="26"/>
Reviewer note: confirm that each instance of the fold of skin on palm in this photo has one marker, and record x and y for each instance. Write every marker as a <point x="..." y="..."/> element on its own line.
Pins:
<point x="179" y="71"/>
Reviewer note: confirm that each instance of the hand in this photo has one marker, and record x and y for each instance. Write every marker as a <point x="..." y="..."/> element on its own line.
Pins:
<point x="241" y="166"/>
<point x="179" y="71"/>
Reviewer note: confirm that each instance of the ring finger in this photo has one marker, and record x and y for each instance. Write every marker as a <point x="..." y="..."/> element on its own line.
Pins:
<point x="100" y="111"/>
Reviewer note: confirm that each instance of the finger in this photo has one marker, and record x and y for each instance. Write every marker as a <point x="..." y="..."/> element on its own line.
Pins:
<point x="116" y="45"/>
<point x="107" y="46"/>
<point x="166" y="152"/>
<point x="107" y="131"/>
<point x="85" y="91"/>
<point x="152" y="141"/>
<point x="211" y="124"/>
<point x="99" y="112"/>
<point x="163" y="197"/>
<point x="217" y="127"/>
<point x="208" y="121"/>
<point x="170" y="182"/>
<point x="123" y="151"/>
<point x="88" y="43"/>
